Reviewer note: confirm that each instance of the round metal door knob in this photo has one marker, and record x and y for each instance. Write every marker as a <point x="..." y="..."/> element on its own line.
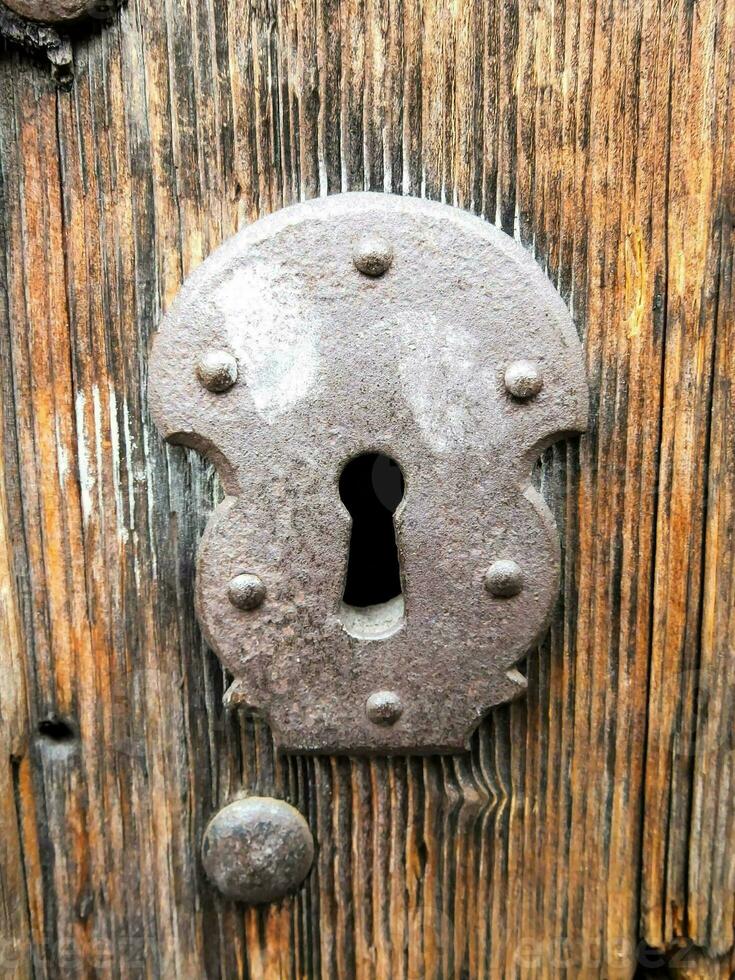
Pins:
<point x="257" y="850"/>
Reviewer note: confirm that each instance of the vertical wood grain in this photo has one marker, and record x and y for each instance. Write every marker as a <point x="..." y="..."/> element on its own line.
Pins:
<point x="590" y="819"/>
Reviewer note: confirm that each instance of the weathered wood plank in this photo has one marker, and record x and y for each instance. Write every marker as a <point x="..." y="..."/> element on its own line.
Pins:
<point x="693" y="241"/>
<point x="593" y="816"/>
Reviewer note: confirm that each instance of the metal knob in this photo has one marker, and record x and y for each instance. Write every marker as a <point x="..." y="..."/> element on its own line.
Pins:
<point x="257" y="849"/>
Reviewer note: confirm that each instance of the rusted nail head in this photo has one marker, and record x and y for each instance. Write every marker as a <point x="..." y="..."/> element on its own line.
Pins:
<point x="246" y="591"/>
<point x="373" y="255"/>
<point x="384" y="708"/>
<point x="257" y="849"/>
<point x="217" y="370"/>
<point x="523" y="379"/>
<point x="504" y="579"/>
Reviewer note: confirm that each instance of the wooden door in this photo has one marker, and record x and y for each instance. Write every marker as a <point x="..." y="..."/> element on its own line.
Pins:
<point x="590" y="832"/>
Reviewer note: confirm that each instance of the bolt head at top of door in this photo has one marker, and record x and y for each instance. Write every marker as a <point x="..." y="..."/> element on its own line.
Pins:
<point x="372" y="323"/>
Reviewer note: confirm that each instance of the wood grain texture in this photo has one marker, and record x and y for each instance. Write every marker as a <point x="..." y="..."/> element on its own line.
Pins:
<point x="590" y="819"/>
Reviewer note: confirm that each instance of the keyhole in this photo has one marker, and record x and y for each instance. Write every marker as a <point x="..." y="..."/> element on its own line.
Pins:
<point x="371" y="487"/>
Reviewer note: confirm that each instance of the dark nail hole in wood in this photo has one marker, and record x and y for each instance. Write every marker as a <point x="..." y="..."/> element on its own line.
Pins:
<point x="56" y="731"/>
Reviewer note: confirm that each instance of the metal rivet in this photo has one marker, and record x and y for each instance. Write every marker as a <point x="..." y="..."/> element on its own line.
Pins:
<point x="504" y="579"/>
<point x="384" y="708"/>
<point x="373" y="255"/>
<point x="217" y="370"/>
<point x="246" y="591"/>
<point x="523" y="379"/>
<point x="257" y="850"/>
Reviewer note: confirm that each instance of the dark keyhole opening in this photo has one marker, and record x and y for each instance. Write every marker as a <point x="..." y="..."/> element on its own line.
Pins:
<point x="371" y="487"/>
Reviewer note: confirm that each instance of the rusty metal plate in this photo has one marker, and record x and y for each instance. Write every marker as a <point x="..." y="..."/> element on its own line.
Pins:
<point x="58" y="11"/>
<point x="368" y="323"/>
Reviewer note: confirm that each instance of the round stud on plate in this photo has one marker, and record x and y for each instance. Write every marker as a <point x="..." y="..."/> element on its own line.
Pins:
<point x="384" y="708"/>
<point x="246" y="591"/>
<point x="217" y="370"/>
<point x="257" y="850"/>
<point x="523" y="380"/>
<point x="504" y="579"/>
<point x="373" y="255"/>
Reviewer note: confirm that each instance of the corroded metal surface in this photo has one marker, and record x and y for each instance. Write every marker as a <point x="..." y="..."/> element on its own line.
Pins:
<point x="257" y="849"/>
<point x="38" y="26"/>
<point x="413" y="363"/>
<point x="63" y="11"/>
